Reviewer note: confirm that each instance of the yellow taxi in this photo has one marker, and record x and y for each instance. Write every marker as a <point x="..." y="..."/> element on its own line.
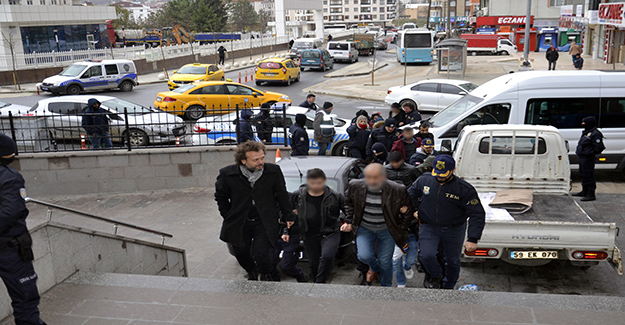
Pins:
<point x="193" y="72"/>
<point x="195" y="100"/>
<point x="277" y="70"/>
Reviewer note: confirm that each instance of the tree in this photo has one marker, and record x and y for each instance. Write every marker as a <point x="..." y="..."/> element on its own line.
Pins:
<point x="243" y="17"/>
<point x="209" y="15"/>
<point x="7" y="37"/>
<point x="124" y="19"/>
<point x="264" y="17"/>
<point x="193" y="15"/>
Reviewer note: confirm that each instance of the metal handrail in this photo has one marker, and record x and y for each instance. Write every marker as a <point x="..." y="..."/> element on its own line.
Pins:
<point x="115" y="223"/>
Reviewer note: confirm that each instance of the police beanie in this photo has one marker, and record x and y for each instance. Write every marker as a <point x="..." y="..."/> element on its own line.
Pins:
<point x="7" y="145"/>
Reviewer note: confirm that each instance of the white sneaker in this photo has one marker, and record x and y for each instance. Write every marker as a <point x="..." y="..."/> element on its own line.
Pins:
<point x="401" y="285"/>
<point x="409" y="273"/>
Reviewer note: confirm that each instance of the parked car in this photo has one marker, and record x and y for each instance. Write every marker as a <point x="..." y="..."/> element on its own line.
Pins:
<point x="193" y="101"/>
<point x="343" y="51"/>
<point x="277" y="70"/>
<point x="63" y="119"/>
<point x="221" y="129"/>
<point x="14" y="109"/>
<point x="92" y="75"/>
<point x="193" y="72"/>
<point x="430" y="95"/>
<point x="316" y="59"/>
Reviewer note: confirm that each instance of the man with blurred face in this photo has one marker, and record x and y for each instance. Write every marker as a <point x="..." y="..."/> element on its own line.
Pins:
<point x="250" y="196"/>
<point x="377" y="210"/>
<point x="407" y="144"/>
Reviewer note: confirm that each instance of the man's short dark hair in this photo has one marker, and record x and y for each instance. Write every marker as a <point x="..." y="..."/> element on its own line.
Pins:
<point x="425" y="124"/>
<point x="409" y="104"/>
<point x="315" y="173"/>
<point x="395" y="156"/>
<point x="396" y="105"/>
<point x="245" y="147"/>
<point x="407" y="128"/>
<point x="310" y="95"/>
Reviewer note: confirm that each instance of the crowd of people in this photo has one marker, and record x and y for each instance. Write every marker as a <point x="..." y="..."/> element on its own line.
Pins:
<point x="407" y="211"/>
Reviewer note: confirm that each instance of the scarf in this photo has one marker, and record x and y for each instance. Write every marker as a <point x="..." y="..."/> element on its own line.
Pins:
<point x="252" y="176"/>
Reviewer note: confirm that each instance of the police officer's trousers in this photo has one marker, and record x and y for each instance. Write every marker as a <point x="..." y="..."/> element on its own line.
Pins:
<point x="452" y="240"/>
<point x="587" y="172"/>
<point x="20" y="279"/>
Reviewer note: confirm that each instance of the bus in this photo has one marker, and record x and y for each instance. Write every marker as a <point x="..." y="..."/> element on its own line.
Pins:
<point x="415" y="46"/>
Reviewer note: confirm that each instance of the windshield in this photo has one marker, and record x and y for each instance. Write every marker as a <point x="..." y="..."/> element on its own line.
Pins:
<point x="3" y="104"/>
<point x="184" y="89"/>
<point x="293" y="183"/>
<point x="302" y="45"/>
<point x="469" y="86"/>
<point x="73" y="70"/>
<point x="338" y="46"/>
<point x="418" y="40"/>
<point x="119" y="105"/>
<point x="311" y="54"/>
<point x="192" y="70"/>
<point x="456" y="109"/>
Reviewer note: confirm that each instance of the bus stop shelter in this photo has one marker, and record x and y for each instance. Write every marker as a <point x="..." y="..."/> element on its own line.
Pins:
<point x="452" y="55"/>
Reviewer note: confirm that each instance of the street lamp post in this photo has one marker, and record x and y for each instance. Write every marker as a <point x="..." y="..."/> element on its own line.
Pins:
<point x="56" y="38"/>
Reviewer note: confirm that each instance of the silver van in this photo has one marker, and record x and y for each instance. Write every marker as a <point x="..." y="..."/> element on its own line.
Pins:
<point x="343" y="51"/>
<point x="301" y="44"/>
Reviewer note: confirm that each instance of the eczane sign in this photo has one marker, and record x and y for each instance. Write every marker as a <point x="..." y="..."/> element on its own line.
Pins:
<point x="611" y="13"/>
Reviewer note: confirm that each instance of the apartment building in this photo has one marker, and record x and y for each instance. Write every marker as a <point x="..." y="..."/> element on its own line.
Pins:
<point x="456" y="11"/>
<point x="359" y="11"/>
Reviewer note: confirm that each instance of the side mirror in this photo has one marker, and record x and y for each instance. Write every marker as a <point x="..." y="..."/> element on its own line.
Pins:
<point x="255" y="94"/>
<point x="462" y="93"/>
<point x="175" y="71"/>
<point x="446" y="145"/>
<point x="211" y="72"/>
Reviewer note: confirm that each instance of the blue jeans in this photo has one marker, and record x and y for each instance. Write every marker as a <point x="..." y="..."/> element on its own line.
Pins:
<point x="101" y="139"/>
<point x="383" y="262"/>
<point x="452" y="240"/>
<point x="400" y="263"/>
<point x="322" y="149"/>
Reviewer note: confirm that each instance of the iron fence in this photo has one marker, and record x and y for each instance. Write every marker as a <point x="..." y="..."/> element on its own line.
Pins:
<point x="64" y="126"/>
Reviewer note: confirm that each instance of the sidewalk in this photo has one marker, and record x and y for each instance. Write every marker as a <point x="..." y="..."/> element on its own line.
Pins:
<point x="151" y="78"/>
<point x="479" y="70"/>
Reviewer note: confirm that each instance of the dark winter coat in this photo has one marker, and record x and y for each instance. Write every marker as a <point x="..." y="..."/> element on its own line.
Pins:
<point x="394" y="197"/>
<point x="299" y="140"/>
<point x="358" y="137"/>
<point x="234" y="196"/>
<point x="331" y="206"/>
<point x="264" y="125"/>
<point x="590" y="143"/>
<point x="13" y="210"/>
<point x="382" y="136"/>
<point x="399" y="118"/>
<point x="94" y="120"/>
<point x="420" y="156"/>
<point x="405" y="174"/>
<point x="552" y="55"/>
<point x="412" y="117"/>
<point x="244" y="127"/>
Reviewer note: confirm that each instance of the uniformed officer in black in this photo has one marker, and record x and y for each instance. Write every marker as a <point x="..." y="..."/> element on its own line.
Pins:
<point x="16" y="267"/>
<point x="444" y="203"/>
<point x="588" y="147"/>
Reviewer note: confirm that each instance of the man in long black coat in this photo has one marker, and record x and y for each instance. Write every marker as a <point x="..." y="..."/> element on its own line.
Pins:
<point x="250" y="195"/>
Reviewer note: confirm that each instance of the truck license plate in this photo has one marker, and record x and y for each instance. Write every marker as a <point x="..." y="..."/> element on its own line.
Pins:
<point x="534" y="255"/>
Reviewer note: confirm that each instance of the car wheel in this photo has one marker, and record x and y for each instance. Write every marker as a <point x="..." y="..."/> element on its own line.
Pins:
<point x="340" y="149"/>
<point x="126" y="86"/>
<point x="298" y="77"/>
<point x="302" y="68"/>
<point x="405" y="101"/>
<point x="223" y="78"/>
<point x="138" y="138"/>
<point x="227" y="143"/>
<point x="258" y="83"/>
<point x="288" y="81"/>
<point x="195" y="112"/>
<point x="73" y="90"/>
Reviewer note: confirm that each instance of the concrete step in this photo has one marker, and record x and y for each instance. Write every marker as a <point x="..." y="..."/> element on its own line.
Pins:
<point x="91" y="298"/>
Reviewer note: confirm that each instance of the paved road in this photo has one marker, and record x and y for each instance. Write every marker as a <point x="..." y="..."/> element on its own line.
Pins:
<point x="344" y="107"/>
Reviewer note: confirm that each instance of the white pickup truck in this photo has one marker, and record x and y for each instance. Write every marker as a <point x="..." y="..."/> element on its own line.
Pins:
<point x="500" y="157"/>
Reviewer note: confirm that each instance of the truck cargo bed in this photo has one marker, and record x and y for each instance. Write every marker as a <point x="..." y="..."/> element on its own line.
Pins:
<point x="560" y="208"/>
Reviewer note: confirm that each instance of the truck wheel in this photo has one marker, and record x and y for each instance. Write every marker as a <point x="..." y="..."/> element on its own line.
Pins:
<point x="73" y="90"/>
<point x="474" y="53"/>
<point x="126" y="86"/>
<point x="504" y="53"/>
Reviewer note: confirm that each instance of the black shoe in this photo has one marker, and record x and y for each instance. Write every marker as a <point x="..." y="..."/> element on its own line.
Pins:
<point x="588" y="198"/>
<point x="267" y="278"/>
<point x="303" y="278"/>
<point x="420" y="268"/>
<point x="363" y="281"/>
<point x="252" y="276"/>
<point x="432" y="283"/>
<point x="582" y="193"/>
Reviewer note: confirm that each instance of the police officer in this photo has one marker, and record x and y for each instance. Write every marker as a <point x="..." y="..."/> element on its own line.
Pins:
<point x="16" y="255"/>
<point x="588" y="147"/>
<point x="444" y="203"/>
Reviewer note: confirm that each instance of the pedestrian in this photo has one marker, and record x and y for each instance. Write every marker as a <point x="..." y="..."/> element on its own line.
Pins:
<point x="412" y="115"/>
<point x="323" y="126"/>
<point x="358" y="136"/>
<point x="318" y="209"/>
<point x="424" y="131"/>
<point x="244" y="126"/>
<point x="407" y="144"/>
<point x="299" y="137"/>
<point x="16" y="255"/>
<point x="552" y="56"/>
<point x="375" y="117"/>
<point x="264" y="123"/>
<point x="250" y="196"/>
<point x="398" y="171"/>
<point x="310" y="102"/>
<point x="397" y="113"/>
<point x="329" y="38"/>
<point x="590" y="145"/>
<point x="386" y="135"/>
<point x="377" y="210"/>
<point x="291" y="43"/>
<point x="579" y="62"/>
<point x="222" y="54"/>
<point x="574" y="51"/>
<point x="426" y="149"/>
<point x="380" y="154"/>
<point x="444" y="204"/>
<point x="289" y="245"/>
<point x="96" y="124"/>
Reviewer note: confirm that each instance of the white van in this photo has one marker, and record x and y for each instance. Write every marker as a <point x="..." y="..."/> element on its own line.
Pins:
<point x="343" y="51"/>
<point x="92" y="75"/>
<point x="558" y="98"/>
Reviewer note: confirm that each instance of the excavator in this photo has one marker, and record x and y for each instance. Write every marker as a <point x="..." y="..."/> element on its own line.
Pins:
<point x="175" y="35"/>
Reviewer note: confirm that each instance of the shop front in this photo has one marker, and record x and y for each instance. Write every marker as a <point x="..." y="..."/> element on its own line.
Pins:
<point x="498" y="21"/>
<point x="611" y="17"/>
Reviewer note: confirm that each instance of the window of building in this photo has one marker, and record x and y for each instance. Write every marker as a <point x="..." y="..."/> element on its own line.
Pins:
<point x="325" y="2"/>
<point x="355" y="2"/>
<point x="29" y="2"/>
<point x="325" y="9"/>
<point x="504" y="145"/>
<point x="381" y="9"/>
<point x="556" y="3"/>
<point x="346" y="9"/>
<point x="467" y="3"/>
<point x="53" y="2"/>
<point x="14" y="2"/>
<point x="452" y="14"/>
<point x="563" y="113"/>
<point x="375" y="16"/>
<point x="452" y="4"/>
<point x="374" y="1"/>
<point x="381" y="17"/>
<point x="375" y="9"/>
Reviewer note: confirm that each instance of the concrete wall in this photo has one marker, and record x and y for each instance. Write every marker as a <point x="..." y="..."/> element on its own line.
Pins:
<point x="62" y="250"/>
<point x="84" y="172"/>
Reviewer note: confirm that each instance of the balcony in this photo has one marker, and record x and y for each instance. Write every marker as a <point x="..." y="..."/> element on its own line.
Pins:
<point x="336" y="3"/>
<point x="365" y="9"/>
<point x="365" y="17"/>
<point x="336" y="18"/>
<point x="336" y="10"/>
<point x="365" y="2"/>
<point x="390" y="2"/>
<point x="391" y="8"/>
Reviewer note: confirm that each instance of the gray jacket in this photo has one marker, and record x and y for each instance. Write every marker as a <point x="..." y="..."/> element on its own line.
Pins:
<point x="324" y="127"/>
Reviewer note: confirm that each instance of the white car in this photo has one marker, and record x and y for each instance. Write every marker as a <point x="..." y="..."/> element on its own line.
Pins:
<point x="14" y="109"/>
<point x="430" y="95"/>
<point x="220" y="129"/>
<point x="63" y="119"/>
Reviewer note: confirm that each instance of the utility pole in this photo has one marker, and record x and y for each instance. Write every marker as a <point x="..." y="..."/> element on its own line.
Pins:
<point x="526" y="43"/>
<point x="448" y="22"/>
<point x="429" y="13"/>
